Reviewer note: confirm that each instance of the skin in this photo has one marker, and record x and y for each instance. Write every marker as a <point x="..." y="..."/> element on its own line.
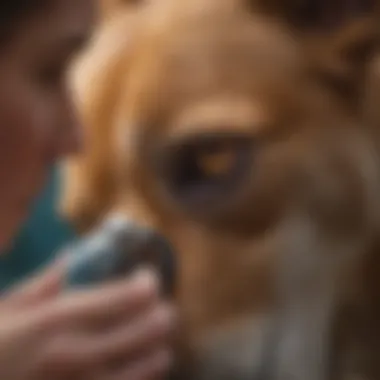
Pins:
<point x="82" y="334"/>
<point x="38" y="120"/>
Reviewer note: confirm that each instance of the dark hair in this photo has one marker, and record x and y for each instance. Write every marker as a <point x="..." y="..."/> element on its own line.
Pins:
<point x="13" y="12"/>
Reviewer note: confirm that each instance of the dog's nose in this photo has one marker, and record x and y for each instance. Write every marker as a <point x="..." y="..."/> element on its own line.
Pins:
<point x="116" y="248"/>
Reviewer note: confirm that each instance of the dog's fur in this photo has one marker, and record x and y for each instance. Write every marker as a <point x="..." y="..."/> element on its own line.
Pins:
<point x="94" y="79"/>
<point x="279" y="274"/>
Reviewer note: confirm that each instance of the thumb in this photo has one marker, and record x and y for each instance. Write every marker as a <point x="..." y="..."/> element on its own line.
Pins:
<point x="45" y="284"/>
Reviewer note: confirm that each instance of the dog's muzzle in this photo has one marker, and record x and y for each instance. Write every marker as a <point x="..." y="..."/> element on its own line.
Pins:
<point x="114" y="250"/>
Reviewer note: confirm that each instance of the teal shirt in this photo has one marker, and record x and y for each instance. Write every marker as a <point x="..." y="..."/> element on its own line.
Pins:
<point x="39" y="239"/>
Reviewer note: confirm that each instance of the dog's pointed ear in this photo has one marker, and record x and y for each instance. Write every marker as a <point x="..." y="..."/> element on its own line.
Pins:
<point x="316" y="15"/>
<point x="340" y="38"/>
<point x="298" y="14"/>
<point x="342" y="59"/>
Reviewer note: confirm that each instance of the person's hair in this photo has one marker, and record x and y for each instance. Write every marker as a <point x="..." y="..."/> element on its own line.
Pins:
<point x="13" y="12"/>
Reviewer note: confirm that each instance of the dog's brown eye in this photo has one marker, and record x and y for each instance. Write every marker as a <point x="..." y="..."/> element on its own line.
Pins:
<point x="217" y="163"/>
<point x="206" y="170"/>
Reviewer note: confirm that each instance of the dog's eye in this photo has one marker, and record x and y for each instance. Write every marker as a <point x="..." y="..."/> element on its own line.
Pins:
<point x="216" y="164"/>
<point x="206" y="170"/>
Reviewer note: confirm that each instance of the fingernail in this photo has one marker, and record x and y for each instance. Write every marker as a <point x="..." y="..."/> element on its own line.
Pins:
<point x="145" y="278"/>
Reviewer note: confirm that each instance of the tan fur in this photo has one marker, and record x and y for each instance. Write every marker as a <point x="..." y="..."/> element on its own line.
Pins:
<point x="284" y="267"/>
<point x="95" y="81"/>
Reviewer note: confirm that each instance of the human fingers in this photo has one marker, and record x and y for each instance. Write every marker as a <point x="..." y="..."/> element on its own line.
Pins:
<point x="43" y="285"/>
<point x="73" y="352"/>
<point x="127" y="340"/>
<point x="152" y="367"/>
<point x="103" y="304"/>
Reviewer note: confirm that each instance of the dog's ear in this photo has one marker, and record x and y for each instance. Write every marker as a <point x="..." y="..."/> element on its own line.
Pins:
<point x="342" y="59"/>
<point x="339" y="37"/>
<point x="296" y="13"/>
<point x="316" y="15"/>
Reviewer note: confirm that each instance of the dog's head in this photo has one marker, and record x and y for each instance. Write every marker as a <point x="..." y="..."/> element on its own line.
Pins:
<point x="243" y="141"/>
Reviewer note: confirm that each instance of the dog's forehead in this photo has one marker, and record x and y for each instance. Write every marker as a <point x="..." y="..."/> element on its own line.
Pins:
<point x="199" y="56"/>
<point x="226" y="40"/>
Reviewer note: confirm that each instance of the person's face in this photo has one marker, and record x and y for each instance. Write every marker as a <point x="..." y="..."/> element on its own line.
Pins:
<point x="37" y="120"/>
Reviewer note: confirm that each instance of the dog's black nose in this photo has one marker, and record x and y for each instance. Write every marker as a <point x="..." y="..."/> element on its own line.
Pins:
<point x="115" y="249"/>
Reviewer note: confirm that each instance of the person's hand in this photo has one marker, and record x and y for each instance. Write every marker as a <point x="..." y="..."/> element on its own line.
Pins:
<point x="115" y="331"/>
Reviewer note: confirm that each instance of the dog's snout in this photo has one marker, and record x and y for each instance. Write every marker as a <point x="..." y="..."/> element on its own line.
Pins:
<point x="153" y="249"/>
<point x="115" y="249"/>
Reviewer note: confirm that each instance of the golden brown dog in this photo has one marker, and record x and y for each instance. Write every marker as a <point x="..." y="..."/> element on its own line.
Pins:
<point x="250" y="146"/>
